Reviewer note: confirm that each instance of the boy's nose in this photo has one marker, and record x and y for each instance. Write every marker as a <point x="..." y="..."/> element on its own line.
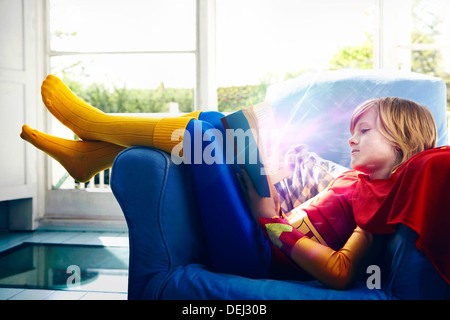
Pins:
<point x="352" y="141"/>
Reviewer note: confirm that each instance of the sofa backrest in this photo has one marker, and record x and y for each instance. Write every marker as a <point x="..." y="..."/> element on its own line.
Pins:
<point x="315" y="109"/>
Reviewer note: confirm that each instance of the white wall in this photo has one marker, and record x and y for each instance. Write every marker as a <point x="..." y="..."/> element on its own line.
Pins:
<point x="21" y="60"/>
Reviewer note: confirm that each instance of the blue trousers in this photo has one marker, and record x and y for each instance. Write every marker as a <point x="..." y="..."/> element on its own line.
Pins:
<point x="235" y="243"/>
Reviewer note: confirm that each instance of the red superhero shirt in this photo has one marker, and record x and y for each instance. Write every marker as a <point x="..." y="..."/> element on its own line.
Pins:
<point x="331" y="212"/>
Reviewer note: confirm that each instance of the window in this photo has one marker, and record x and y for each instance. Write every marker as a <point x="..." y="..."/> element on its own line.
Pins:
<point x="415" y="36"/>
<point x="147" y="47"/>
<point x="430" y="40"/>
<point x="225" y="53"/>
<point x="263" y="41"/>
<point x="136" y="56"/>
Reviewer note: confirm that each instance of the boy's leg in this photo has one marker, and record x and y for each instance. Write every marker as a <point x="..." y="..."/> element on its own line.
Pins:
<point x="90" y="123"/>
<point x="235" y="242"/>
<point x="81" y="159"/>
<point x="104" y="136"/>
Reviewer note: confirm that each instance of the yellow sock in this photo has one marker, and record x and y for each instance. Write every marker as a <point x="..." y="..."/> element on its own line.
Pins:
<point x="81" y="159"/>
<point x="90" y="123"/>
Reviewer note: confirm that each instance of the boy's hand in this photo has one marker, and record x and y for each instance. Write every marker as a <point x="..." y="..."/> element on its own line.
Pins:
<point x="260" y="206"/>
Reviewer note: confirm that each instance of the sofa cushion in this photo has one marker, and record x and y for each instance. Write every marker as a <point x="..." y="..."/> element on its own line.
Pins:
<point x="197" y="282"/>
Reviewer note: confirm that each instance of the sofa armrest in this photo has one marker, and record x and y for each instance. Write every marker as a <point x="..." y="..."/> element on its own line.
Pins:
<point x="159" y="207"/>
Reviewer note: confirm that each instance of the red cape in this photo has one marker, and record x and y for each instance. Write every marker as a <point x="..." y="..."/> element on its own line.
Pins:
<point x="418" y="195"/>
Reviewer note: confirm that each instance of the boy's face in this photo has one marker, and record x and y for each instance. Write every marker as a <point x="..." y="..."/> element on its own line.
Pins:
<point x="371" y="152"/>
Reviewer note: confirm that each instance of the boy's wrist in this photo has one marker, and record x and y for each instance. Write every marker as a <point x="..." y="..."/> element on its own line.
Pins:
<point x="280" y="233"/>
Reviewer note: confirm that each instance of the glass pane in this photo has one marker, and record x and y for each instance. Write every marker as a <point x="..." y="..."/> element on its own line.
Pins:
<point x="263" y="41"/>
<point x="130" y="82"/>
<point x="50" y="266"/>
<point x="123" y="83"/>
<point x="435" y="63"/>
<point x="431" y="23"/>
<point x="118" y="25"/>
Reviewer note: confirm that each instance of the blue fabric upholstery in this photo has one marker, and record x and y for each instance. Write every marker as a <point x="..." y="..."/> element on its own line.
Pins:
<point x="169" y="254"/>
<point x="161" y="213"/>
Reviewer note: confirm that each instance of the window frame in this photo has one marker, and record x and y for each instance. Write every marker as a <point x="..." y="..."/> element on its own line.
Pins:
<point x="393" y="34"/>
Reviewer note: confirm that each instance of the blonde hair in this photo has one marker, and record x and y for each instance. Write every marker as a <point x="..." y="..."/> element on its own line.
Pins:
<point x="407" y="125"/>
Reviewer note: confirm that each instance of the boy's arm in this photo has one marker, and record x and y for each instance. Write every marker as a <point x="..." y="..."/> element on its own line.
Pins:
<point x="336" y="269"/>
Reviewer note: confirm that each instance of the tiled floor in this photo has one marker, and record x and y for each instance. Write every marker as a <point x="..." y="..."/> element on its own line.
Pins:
<point x="12" y="239"/>
<point x="38" y="294"/>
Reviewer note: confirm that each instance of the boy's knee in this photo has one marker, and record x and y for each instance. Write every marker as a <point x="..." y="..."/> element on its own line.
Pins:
<point x="212" y="117"/>
<point x="203" y="143"/>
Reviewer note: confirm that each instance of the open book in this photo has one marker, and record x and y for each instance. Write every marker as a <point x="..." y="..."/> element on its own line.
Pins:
<point x="251" y="132"/>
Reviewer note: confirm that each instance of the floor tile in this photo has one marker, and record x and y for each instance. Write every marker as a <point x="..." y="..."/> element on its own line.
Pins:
<point x="104" y="296"/>
<point x="66" y="295"/>
<point x="55" y="237"/>
<point x="11" y="239"/>
<point x="6" y="293"/>
<point x="114" y="240"/>
<point x="32" y="294"/>
<point x="90" y="238"/>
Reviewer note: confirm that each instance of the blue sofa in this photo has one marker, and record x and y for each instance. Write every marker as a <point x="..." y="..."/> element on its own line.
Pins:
<point x="168" y="255"/>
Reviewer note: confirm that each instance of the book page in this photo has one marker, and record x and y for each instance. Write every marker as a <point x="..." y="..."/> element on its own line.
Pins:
<point x="261" y="119"/>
